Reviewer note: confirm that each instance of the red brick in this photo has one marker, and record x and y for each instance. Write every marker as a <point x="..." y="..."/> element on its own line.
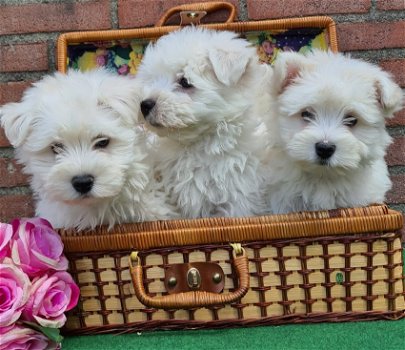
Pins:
<point x="390" y="5"/>
<point x="138" y="13"/>
<point x="11" y="173"/>
<point x="12" y="91"/>
<point x="50" y="17"/>
<point x="398" y="120"/>
<point x="23" y="57"/>
<point x="16" y="206"/>
<point x="396" y="151"/>
<point x="397" y="68"/>
<point x="371" y="36"/>
<point x="259" y="9"/>
<point x="3" y="139"/>
<point x="397" y="193"/>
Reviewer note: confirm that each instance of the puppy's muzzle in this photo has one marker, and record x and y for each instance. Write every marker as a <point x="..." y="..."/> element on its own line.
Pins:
<point x="83" y="183"/>
<point x="325" y="150"/>
<point x="147" y="106"/>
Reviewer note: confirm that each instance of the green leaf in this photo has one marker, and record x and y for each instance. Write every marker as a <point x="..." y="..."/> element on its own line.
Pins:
<point x="52" y="333"/>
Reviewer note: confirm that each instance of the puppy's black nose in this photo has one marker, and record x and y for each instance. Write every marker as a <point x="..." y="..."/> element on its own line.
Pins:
<point x="324" y="149"/>
<point x="83" y="183"/>
<point x="146" y="106"/>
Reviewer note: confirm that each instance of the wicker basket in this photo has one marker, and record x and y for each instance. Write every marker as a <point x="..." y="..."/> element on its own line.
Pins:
<point x="339" y="265"/>
<point x="76" y="49"/>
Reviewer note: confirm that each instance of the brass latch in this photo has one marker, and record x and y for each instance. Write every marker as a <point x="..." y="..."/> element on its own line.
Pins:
<point x="193" y="278"/>
<point x="203" y="276"/>
<point x="191" y="17"/>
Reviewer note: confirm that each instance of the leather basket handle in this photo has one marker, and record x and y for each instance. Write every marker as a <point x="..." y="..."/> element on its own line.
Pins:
<point x="207" y="7"/>
<point x="194" y="299"/>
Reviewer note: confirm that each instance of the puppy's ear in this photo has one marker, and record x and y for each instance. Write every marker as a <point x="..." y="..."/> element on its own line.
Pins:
<point x="123" y="95"/>
<point x="389" y="95"/>
<point x="17" y="122"/>
<point x="287" y="68"/>
<point x="229" y="66"/>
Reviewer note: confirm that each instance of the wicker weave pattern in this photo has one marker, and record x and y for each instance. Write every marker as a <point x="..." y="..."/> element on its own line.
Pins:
<point x="147" y="235"/>
<point x="307" y="278"/>
<point x="338" y="265"/>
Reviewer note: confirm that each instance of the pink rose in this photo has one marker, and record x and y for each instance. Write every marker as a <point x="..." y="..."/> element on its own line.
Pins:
<point x="123" y="70"/>
<point x="18" y="337"/>
<point x="50" y="297"/>
<point x="36" y="247"/>
<point x="6" y="231"/>
<point x="14" y="292"/>
<point x="100" y="60"/>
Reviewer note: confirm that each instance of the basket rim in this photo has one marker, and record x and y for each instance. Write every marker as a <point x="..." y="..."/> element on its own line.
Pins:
<point x="333" y="317"/>
<point x="148" y="235"/>
<point x="154" y="32"/>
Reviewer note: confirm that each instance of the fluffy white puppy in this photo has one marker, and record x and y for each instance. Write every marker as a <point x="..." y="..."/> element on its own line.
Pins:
<point x="75" y="136"/>
<point x="327" y="132"/>
<point x="200" y="89"/>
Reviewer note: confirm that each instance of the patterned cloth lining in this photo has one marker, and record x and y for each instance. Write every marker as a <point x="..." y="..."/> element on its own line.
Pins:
<point x="124" y="56"/>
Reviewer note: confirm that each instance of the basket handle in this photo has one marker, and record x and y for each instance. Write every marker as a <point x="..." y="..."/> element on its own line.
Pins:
<point x="189" y="300"/>
<point x="207" y="7"/>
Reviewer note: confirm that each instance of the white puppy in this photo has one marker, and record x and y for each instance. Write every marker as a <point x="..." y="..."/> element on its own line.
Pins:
<point x="76" y="137"/>
<point x="200" y="89"/>
<point x="327" y="132"/>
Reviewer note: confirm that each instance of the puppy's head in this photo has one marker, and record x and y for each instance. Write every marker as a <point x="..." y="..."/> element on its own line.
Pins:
<point x="194" y="78"/>
<point x="331" y="109"/>
<point x="74" y="134"/>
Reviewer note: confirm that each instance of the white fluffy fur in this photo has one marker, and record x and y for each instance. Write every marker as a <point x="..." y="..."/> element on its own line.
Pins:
<point x="76" y="110"/>
<point x="332" y="87"/>
<point x="209" y="157"/>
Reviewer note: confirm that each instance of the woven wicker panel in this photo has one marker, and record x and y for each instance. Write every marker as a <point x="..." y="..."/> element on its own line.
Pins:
<point x="295" y="280"/>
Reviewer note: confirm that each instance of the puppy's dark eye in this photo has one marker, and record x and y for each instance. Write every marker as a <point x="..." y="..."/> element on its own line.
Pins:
<point x="57" y="148"/>
<point x="307" y="115"/>
<point x="103" y="143"/>
<point x="183" y="82"/>
<point x="350" y="121"/>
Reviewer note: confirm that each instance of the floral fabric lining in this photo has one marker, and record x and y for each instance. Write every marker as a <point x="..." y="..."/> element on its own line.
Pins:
<point x="124" y="56"/>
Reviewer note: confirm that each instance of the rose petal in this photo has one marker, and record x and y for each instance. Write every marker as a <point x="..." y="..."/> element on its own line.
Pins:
<point x="22" y="338"/>
<point x="56" y="322"/>
<point x="52" y="295"/>
<point x="36" y="247"/>
<point x="6" y="231"/>
<point x="14" y="293"/>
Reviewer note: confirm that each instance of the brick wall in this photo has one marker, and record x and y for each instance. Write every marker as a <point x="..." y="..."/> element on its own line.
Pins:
<point x="369" y="29"/>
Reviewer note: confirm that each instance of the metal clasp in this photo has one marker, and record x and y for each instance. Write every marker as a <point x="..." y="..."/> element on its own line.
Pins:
<point x="191" y="17"/>
<point x="193" y="278"/>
